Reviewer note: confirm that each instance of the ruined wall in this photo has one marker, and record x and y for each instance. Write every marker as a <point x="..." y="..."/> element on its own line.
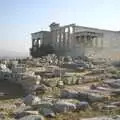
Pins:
<point x="44" y="37"/>
<point x="62" y="39"/>
<point x="111" y="43"/>
<point x="41" y="43"/>
<point x="64" y="42"/>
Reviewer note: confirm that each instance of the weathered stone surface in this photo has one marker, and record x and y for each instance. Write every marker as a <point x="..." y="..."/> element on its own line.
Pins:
<point x="40" y="88"/>
<point x="82" y="105"/>
<point x="32" y="117"/>
<point x="47" y="112"/>
<point x="21" y="108"/>
<point x="95" y="97"/>
<point x="116" y="91"/>
<point x="63" y="106"/>
<point x="32" y="100"/>
<point x="69" y="94"/>
<point x="67" y="80"/>
<point x="110" y="107"/>
<point x="83" y="96"/>
<point x="90" y="96"/>
<point x="51" y="82"/>
<point x="20" y="115"/>
<point x="103" y="118"/>
<point x="70" y="80"/>
<point x="79" y="81"/>
<point x="43" y="105"/>
<point x="114" y="83"/>
<point x="116" y="103"/>
<point x="60" y="83"/>
<point x="32" y="112"/>
<point x="2" y="115"/>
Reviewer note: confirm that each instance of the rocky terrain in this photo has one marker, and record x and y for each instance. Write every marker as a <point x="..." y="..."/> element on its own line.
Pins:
<point x="68" y="89"/>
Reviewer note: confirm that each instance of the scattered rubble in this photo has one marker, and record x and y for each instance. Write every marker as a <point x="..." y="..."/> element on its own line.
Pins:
<point x="31" y="100"/>
<point x="63" y="106"/>
<point x="57" y="85"/>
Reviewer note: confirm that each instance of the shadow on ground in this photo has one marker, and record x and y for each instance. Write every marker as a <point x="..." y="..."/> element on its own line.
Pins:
<point x="10" y="90"/>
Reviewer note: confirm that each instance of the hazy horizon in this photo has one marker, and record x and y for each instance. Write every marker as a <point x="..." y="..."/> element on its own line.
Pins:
<point x="21" y="18"/>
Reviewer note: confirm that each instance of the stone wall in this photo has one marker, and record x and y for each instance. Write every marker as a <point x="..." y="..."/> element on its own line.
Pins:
<point x="63" y="40"/>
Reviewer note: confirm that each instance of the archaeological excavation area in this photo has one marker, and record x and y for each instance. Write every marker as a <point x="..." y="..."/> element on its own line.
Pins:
<point x="73" y="74"/>
<point x="62" y="88"/>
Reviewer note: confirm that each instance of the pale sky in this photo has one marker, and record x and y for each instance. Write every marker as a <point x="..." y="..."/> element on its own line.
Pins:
<point x="18" y="18"/>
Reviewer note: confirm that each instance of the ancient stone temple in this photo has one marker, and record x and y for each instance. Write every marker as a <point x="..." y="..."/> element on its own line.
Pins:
<point x="74" y="40"/>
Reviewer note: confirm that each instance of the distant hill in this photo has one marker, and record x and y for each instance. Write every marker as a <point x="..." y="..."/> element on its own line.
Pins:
<point x="12" y="54"/>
